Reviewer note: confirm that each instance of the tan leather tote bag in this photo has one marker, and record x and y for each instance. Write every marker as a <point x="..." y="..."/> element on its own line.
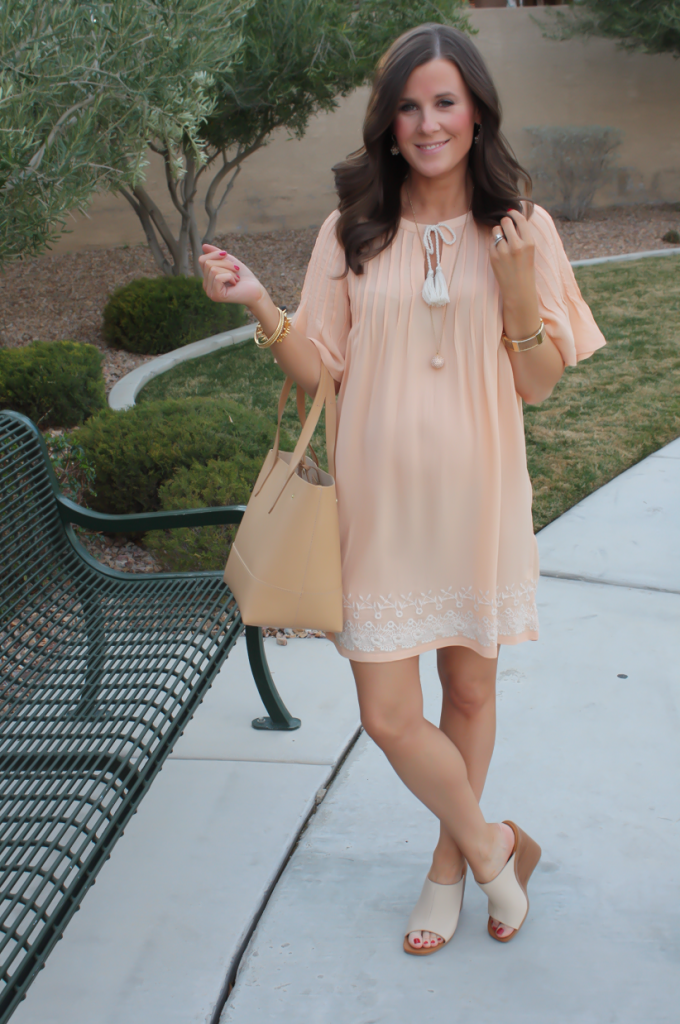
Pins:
<point x="284" y="565"/>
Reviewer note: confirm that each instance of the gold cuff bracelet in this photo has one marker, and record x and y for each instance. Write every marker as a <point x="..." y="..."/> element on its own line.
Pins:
<point x="525" y="344"/>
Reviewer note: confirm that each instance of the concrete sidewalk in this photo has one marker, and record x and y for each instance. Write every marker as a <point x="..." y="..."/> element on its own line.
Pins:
<point x="587" y="760"/>
<point x="156" y="937"/>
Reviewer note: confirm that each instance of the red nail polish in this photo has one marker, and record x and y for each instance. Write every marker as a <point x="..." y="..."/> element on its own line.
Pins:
<point x="236" y="266"/>
<point x="221" y="254"/>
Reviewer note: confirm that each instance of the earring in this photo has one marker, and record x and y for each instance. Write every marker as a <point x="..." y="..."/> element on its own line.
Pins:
<point x="394" y="148"/>
<point x="476" y="133"/>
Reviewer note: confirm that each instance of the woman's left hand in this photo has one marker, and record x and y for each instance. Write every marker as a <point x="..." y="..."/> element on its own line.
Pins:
<point x="512" y="261"/>
<point x="537" y="370"/>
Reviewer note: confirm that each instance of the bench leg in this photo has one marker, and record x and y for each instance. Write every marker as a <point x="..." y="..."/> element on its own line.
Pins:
<point x="279" y="717"/>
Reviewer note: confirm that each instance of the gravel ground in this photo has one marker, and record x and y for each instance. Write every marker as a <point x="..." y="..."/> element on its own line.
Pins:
<point x="614" y="231"/>
<point x="54" y="297"/>
<point x="118" y="553"/>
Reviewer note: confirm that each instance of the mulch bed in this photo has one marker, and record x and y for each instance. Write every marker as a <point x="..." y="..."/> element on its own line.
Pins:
<point x="53" y="297"/>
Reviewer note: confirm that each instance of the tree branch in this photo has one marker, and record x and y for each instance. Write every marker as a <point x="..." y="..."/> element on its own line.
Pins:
<point x="161" y="262"/>
<point x="159" y="221"/>
<point x="36" y="159"/>
<point x="171" y="183"/>
<point x="189" y="193"/>
<point x="212" y="209"/>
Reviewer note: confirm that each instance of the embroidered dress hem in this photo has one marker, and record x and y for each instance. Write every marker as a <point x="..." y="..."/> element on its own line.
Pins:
<point x="412" y="652"/>
<point x="392" y="628"/>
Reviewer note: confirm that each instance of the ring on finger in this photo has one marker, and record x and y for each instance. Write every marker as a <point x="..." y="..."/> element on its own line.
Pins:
<point x="498" y="238"/>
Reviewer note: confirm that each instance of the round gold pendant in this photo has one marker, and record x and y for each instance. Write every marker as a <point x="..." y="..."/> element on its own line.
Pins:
<point x="437" y="361"/>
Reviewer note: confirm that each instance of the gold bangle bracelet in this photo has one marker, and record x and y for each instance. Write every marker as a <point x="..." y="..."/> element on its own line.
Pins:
<point x="286" y="328"/>
<point x="261" y="339"/>
<point x="526" y="344"/>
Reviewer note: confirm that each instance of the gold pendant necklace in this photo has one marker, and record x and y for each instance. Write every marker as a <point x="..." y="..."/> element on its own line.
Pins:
<point x="437" y="361"/>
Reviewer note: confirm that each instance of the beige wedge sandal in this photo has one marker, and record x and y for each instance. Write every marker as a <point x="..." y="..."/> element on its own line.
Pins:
<point x="437" y="910"/>
<point x="507" y="892"/>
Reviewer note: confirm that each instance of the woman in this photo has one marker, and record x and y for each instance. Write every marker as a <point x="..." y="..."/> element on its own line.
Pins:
<point x="438" y="300"/>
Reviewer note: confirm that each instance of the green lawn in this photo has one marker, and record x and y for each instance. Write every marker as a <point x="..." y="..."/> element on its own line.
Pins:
<point x="621" y="404"/>
<point x="604" y="416"/>
<point x="241" y="372"/>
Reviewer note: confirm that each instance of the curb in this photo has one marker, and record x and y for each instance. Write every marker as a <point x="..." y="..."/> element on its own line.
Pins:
<point x="124" y="391"/>
<point x="627" y="256"/>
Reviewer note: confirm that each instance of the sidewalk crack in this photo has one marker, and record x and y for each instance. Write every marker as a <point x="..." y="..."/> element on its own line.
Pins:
<point x="575" y="577"/>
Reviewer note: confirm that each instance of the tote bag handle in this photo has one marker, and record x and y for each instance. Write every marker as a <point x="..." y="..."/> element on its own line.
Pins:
<point x="302" y="416"/>
<point x="325" y="395"/>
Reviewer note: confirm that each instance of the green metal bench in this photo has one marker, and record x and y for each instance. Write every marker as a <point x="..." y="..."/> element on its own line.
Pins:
<point x="100" y="672"/>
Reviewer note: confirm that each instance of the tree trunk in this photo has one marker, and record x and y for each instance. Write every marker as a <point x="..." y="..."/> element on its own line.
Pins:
<point x="156" y="227"/>
<point x="144" y="213"/>
<point x="177" y="194"/>
<point x="189" y="186"/>
<point x="183" y="195"/>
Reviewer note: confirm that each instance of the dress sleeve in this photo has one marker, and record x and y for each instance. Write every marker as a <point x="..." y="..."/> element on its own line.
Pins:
<point x="323" y="315"/>
<point x="568" y="321"/>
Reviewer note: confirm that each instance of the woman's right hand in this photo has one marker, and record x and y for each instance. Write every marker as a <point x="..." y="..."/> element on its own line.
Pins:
<point x="226" y="279"/>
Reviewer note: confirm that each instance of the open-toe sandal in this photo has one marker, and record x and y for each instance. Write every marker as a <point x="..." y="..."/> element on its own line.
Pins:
<point x="437" y="911"/>
<point x="507" y="892"/>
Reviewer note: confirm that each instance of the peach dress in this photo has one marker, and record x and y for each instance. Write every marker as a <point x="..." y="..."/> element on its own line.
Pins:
<point x="434" y="497"/>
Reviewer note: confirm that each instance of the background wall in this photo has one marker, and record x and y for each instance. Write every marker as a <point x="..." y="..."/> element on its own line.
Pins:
<point x="289" y="183"/>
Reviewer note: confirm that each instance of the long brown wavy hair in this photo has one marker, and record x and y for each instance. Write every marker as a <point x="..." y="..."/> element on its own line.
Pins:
<point x="369" y="181"/>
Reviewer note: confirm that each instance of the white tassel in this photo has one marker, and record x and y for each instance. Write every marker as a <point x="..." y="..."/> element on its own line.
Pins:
<point x="435" y="292"/>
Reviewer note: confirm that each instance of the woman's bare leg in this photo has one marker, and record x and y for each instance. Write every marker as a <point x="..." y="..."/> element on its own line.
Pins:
<point x="428" y="762"/>
<point x="468" y="718"/>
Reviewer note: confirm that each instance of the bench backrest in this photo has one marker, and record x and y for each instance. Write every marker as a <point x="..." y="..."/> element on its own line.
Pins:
<point x="41" y="576"/>
<point x="100" y="673"/>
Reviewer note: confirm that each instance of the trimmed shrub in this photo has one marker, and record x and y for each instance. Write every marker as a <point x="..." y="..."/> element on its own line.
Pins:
<point x="56" y="383"/>
<point x="136" y="451"/>
<point x="218" y="483"/>
<point x="570" y="164"/>
<point x="158" y="314"/>
<point x="72" y="467"/>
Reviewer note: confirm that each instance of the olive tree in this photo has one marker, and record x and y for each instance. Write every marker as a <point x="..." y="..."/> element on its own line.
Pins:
<point x="85" y="86"/>
<point x="297" y="58"/>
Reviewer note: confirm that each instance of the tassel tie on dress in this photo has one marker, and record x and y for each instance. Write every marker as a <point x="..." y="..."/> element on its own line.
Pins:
<point x="435" y="292"/>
